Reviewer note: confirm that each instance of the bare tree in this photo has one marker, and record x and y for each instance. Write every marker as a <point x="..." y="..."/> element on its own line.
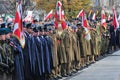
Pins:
<point x="9" y="6"/>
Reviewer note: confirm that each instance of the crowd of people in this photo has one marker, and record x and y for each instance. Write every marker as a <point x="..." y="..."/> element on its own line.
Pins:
<point x="51" y="53"/>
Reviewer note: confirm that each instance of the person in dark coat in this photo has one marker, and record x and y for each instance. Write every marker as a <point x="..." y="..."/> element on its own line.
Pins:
<point x="27" y="52"/>
<point x="112" y="39"/>
<point x="118" y="37"/>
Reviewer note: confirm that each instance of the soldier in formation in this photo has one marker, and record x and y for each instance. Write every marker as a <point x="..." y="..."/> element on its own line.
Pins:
<point x="51" y="53"/>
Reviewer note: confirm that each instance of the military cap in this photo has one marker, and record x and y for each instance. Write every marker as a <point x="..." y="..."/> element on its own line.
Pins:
<point x="35" y="20"/>
<point x="45" y="28"/>
<point x="3" y="25"/>
<point x="2" y="31"/>
<point x="7" y="30"/>
<point x="109" y="21"/>
<point x="40" y="28"/>
<point x="51" y="24"/>
<point x="29" y="25"/>
<point x="35" y="29"/>
<point x="24" y="24"/>
<point x="79" y="24"/>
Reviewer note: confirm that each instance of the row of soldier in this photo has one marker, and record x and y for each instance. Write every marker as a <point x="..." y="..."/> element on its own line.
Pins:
<point x="51" y="53"/>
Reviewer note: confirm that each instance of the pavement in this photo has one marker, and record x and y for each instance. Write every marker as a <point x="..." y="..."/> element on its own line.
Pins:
<point x="104" y="69"/>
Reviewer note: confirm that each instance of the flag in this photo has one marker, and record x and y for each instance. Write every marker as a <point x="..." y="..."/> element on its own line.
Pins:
<point x="84" y="20"/>
<point x="94" y="17"/>
<point x="29" y="17"/>
<point x="59" y="16"/>
<point x="18" y="30"/>
<point x="80" y="13"/>
<point x="103" y="19"/>
<point x="115" y="21"/>
<point x="119" y="17"/>
<point x="109" y="17"/>
<point x="59" y="10"/>
<point x="49" y="15"/>
<point x="89" y="16"/>
<point x="86" y="27"/>
<point x="63" y="14"/>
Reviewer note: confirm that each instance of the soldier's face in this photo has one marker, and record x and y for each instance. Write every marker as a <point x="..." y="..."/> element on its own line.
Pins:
<point x="2" y="37"/>
<point x="8" y="36"/>
<point x="29" y="30"/>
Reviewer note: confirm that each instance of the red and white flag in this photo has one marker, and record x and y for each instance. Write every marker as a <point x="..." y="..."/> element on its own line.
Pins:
<point x="109" y="17"/>
<point x="103" y="18"/>
<point x="59" y="10"/>
<point x="59" y="16"/>
<point x="119" y="17"/>
<point x="29" y="17"/>
<point x="115" y="21"/>
<point x="49" y="15"/>
<point x="18" y="29"/>
<point x="80" y="13"/>
<point x="94" y="17"/>
<point x="63" y="14"/>
<point x="86" y="27"/>
<point x="84" y="20"/>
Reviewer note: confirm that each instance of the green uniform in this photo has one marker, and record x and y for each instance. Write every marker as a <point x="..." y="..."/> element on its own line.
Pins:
<point x="5" y="61"/>
<point x="98" y="40"/>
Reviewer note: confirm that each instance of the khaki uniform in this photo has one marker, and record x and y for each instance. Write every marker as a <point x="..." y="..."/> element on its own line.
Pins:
<point x="80" y="34"/>
<point x="68" y="46"/>
<point x="55" y="49"/>
<point x="93" y="42"/>
<point x="62" y="59"/>
<point x="98" y="40"/>
<point x="76" y="47"/>
<point x="61" y="47"/>
<point x="76" y="51"/>
<point x="81" y="39"/>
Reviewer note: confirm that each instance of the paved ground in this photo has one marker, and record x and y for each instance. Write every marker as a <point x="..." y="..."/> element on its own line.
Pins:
<point x="105" y="69"/>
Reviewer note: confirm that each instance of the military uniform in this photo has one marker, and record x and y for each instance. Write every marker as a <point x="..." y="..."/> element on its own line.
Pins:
<point x="61" y="52"/>
<point x="98" y="40"/>
<point x="68" y="50"/>
<point x="80" y="34"/>
<point x="76" y="51"/>
<point x="55" y="70"/>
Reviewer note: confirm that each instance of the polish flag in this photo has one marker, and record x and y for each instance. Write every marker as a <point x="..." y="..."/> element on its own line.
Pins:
<point x="80" y="13"/>
<point x="18" y="29"/>
<point x="115" y="21"/>
<point x="119" y="17"/>
<point x="86" y="27"/>
<point x="59" y="10"/>
<point x="29" y="17"/>
<point x="49" y="15"/>
<point x="59" y="16"/>
<point x="94" y="17"/>
<point x="63" y="14"/>
<point x="103" y="19"/>
<point x="109" y="17"/>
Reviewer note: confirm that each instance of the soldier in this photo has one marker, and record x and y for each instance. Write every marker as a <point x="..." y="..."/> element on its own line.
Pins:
<point x="9" y="50"/>
<point x="27" y="52"/>
<point x="98" y="39"/>
<point x="94" y="42"/>
<point x="118" y="38"/>
<point x="68" y="49"/>
<point x="112" y="40"/>
<point x="76" y="50"/>
<point x="61" y="51"/>
<point x="3" y="63"/>
<point x="80" y="34"/>
<point x="53" y="37"/>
